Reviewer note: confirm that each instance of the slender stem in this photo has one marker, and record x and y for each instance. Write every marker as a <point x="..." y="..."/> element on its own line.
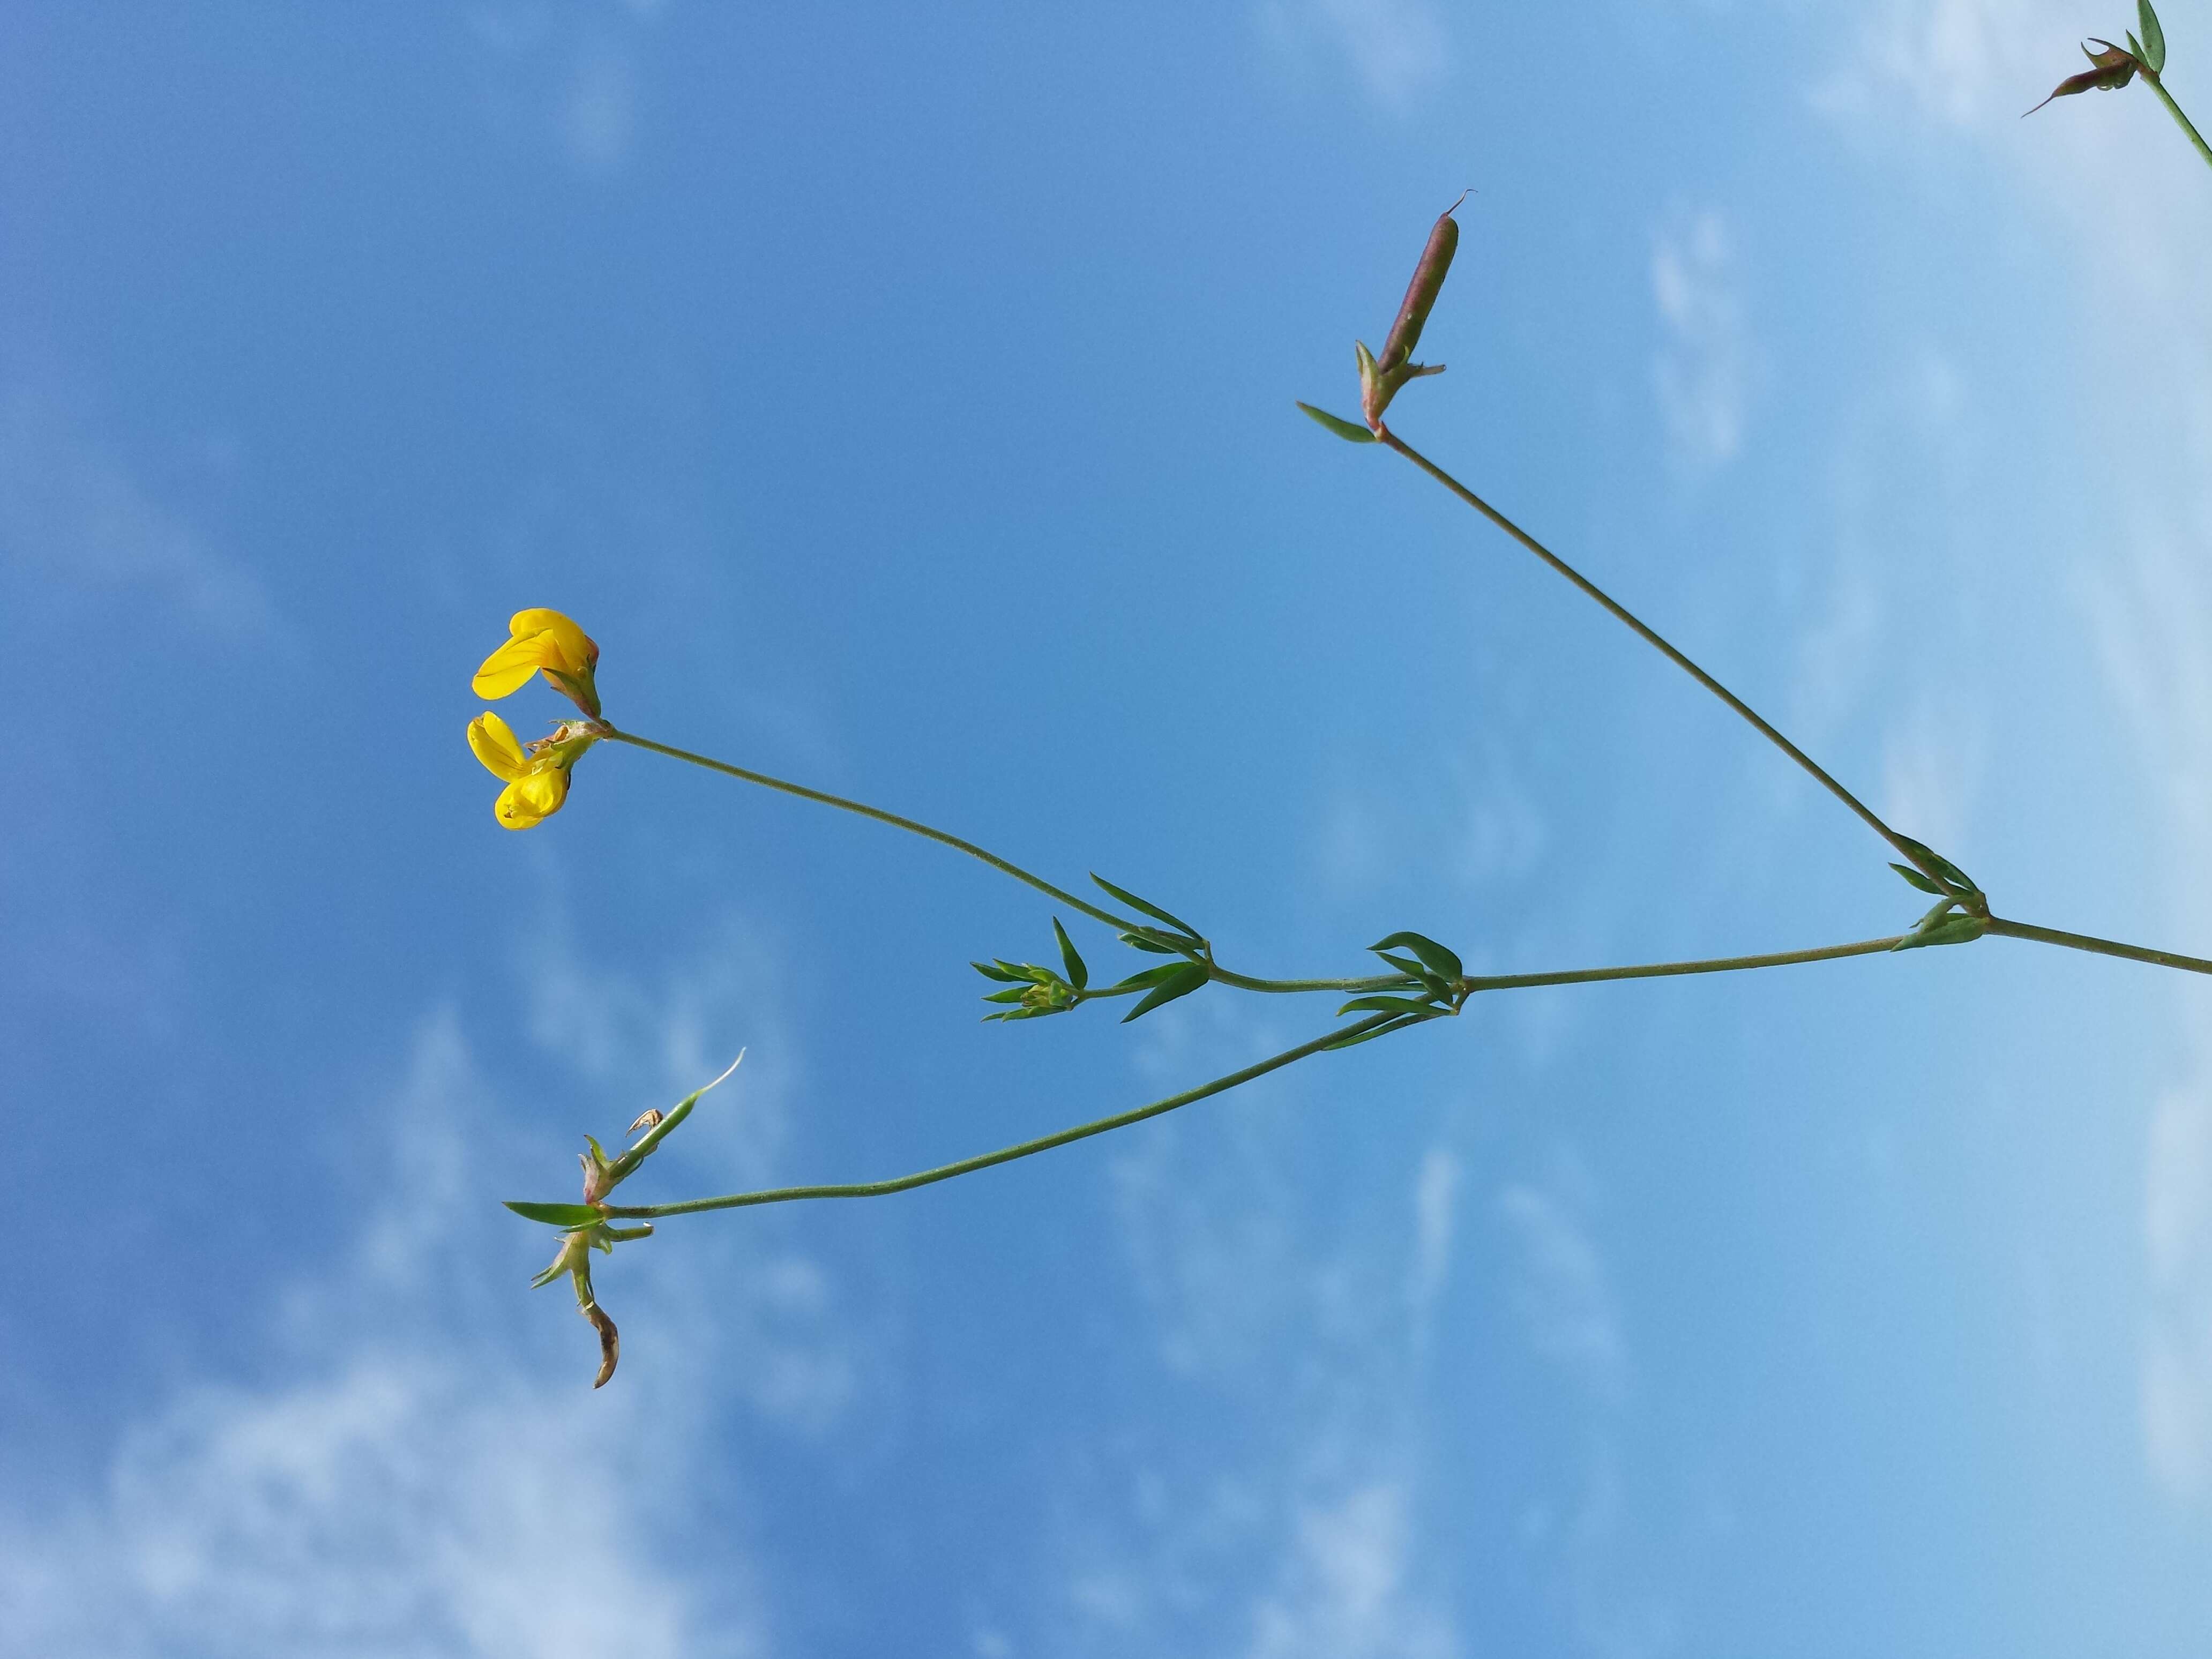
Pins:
<point x="1005" y="866"/>
<point x="1007" y="1154"/>
<point x="1667" y="969"/>
<point x="2173" y="109"/>
<point x="1653" y="638"/>
<point x="1242" y="982"/>
<point x="2103" y="947"/>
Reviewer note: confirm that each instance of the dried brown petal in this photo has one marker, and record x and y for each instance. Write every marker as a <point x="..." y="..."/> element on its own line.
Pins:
<point x="2115" y="67"/>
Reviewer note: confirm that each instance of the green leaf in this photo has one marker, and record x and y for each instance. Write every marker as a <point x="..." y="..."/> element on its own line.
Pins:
<point x="1078" y="974"/>
<point x="1439" y="960"/>
<point x="1011" y="994"/>
<point x="1358" y="1037"/>
<point x="1386" y="1005"/>
<point x="1962" y="883"/>
<point x="565" y="1216"/>
<point x="1146" y="976"/>
<point x="991" y="972"/>
<point x="2154" y="37"/>
<point x="1150" y="909"/>
<point x="1182" y="979"/>
<point x="1145" y="942"/>
<point x="1917" y="879"/>
<point x="1350" y="431"/>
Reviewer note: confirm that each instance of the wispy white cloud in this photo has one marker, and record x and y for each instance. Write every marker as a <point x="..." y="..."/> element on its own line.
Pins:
<point x="1903" y="472"/>
<point x="73" y="513"/>
<point x="1342" y="1588"/>
<point x="1561" y="1289"/>
<point x="409" y="1483"/>
<point x="1503" y="831"/>
<point x="1397" y="50"/>
<point x="1931" y="768"/>
<point x="2144" y="403"/>
<point x="1435" y="1215"/>
<point x="568" y="74"/>
<point x="2153" y="615"/>
<point x="416" y="1461"/>
<point x="1304" y="1534"/>
<point x="1955" y="61"/>
<point x="1706" y="370"/>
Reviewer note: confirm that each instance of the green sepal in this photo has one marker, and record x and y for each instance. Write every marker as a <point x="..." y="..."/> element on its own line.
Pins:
<point x="1956" y="931"/>
<point x="1439" y="960"/>
<point x="1151" y="909"/>
<point x="1078" y="974"/>
<point x="1386" y="1005"/>
<point x="2152" y="50"/>
<point x="568" y="1217"/>
<point x="1917" y="879"/>
<point x="1180" y="981"/>
<point x="1350" y="431"/>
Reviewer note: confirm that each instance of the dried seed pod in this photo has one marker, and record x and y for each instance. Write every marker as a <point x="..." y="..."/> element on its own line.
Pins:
<point x="610" y="1341"/>
<point x="1421" y="293"/>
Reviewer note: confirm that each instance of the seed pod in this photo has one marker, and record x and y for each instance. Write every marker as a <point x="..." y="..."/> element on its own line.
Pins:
<point x="610" y="1341"/>
<point x="1421" y="293"/>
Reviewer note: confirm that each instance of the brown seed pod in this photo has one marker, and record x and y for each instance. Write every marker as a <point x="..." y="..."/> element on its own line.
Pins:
<point x="1421" y="293"/>
<point x="610" y="1341"/>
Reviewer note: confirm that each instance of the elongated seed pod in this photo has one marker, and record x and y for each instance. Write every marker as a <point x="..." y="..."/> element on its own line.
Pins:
<point x="1421" y="293"/>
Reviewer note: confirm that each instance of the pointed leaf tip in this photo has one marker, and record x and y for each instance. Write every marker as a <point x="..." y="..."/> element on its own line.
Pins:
<point x="555" y="1215"/>
<point x="1350" y="431"/>
<point x="2154" y="37"/>
<point x="1179" y="980"/>
<point x="1079" y="975"/>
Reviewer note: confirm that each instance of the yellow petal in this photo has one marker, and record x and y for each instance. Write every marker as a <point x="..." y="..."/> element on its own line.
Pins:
<point x="574" y="652"/>
<point x="498" y="747"/>
<point x="532" y="799"/>
<point x="509" y="669"/>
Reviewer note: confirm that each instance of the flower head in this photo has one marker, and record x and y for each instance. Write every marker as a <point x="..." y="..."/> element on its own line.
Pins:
<point x="537" y="777"/>
<point x="543" y="643"/>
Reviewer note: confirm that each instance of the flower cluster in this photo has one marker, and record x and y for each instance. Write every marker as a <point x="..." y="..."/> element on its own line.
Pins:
<point x="537" y="775"/>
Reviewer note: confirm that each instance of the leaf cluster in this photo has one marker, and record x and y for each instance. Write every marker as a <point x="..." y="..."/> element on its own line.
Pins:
<point x="1435" y="984"/>
<point x="1031" y="991"/>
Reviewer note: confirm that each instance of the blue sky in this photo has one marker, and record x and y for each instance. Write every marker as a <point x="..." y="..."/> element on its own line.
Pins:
<point x="902" y="399"/>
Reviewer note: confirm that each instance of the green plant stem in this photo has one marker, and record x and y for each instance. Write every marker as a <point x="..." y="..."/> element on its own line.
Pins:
<point x="1276" y="1062"/>
<point x="1005" y="1154"/>
<point x="1007" y="867"/>
<point x="1865" y="947"/>
<point x="2103" y="947"/>
<point x="1652" y="637"/>
<point x="1122" y="1119"/>
<point x="2173" y="109"/>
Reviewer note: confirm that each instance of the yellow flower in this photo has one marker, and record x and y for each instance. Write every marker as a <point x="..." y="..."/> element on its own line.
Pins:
<point x="536" y="778"/>
<point x="547" y="642"/>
